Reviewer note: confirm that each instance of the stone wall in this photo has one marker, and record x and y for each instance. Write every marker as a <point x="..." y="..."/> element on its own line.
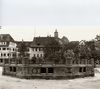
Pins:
<point x="46" y="72"/>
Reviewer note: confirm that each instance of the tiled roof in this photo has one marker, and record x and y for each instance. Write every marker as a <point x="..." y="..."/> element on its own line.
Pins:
<point x="6" y="38"/>
<point x="43" y="40"/>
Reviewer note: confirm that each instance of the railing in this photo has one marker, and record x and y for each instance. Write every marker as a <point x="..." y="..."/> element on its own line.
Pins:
<point x="27" y="61"/>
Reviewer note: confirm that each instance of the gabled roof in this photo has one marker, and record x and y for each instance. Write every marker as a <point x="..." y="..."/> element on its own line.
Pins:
<point x="6" y="38"/>
<point x="43" y="40"/>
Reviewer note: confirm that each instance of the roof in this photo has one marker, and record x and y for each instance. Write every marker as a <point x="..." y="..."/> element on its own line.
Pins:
<point x="36" y="46"/>
<point x="6" y="38"/>
<point x="44" y="40"/>
<point x="27" y="43"/>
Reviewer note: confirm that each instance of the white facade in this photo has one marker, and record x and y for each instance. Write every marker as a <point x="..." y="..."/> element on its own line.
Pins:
<point x="36" y="52"/>
<point x="7" y="50"/>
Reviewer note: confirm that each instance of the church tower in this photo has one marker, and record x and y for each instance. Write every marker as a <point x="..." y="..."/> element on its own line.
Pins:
<point x="56" y="34"/>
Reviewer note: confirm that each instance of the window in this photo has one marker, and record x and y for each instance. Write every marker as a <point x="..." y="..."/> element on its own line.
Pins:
<point x="80" y="69"/>
<point x="13" y="49"/>
<point x="69" y="70"/>
<point x="6" y="61"/>
<point x="36" y="49"/>
<point x="50" y="70"/>
<point x="1" y="54"/>
<point x="37" y="55"/>
<point x="4" y="43"/>
<point x="7" y="48"/>
<point x="84" y="69"/>
<point x="11" y="69"/>
<point x="34" y="55"/>
<point x="4" y="54"/>
<point x="14" y="69"/>
<point x="8" y="54"/>
<point x="39" y="49"/>
<point x="1" y="60"/>
<point x="4" y="48"/>
<point x="0" y="48"/>
<point x="14" y="55"/>
<point x="41" y="55"/>
<point x="43" y="70"/>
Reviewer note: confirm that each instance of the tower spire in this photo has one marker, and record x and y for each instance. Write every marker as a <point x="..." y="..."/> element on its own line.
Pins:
<point x="56" y="33"/>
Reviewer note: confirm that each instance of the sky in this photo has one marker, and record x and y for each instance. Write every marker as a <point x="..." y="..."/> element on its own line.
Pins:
<point x="75" y="19"/>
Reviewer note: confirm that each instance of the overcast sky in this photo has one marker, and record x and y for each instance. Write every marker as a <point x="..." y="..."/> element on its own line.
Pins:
<point x="76" y="19"/>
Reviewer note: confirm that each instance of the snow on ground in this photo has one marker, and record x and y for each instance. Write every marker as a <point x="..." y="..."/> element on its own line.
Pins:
<point x="81" y="83"/>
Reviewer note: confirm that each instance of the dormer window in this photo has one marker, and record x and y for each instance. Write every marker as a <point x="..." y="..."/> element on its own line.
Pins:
<point x="38" y="43"/>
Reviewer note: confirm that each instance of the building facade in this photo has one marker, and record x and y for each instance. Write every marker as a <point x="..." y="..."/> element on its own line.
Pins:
<point x="36" y="51"/>
<point x="8" y="48"/>
<point x="39" y="44"/>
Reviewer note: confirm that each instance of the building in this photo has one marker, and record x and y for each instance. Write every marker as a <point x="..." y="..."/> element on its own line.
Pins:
<point x="36" y="51"/>
<point x="35" y="48"/>
<point x="56" y="34"/>
<point x="39" y="44"/>
<point x="7" y="47"/>
<point x="72" y="67"/>
<point x="45" y="58"/>
<point x="68" y="70"/>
